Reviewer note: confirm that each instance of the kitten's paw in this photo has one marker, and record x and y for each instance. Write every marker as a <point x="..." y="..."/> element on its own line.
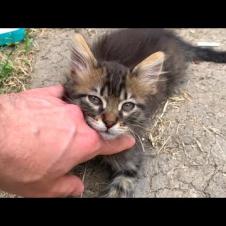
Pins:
<point x="115" y="193"/>
<point x="121" y="187"/>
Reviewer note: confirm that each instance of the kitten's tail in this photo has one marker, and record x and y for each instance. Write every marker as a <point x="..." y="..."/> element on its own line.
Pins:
<point x="196" y="53"/>
<point x="211" y="55"/>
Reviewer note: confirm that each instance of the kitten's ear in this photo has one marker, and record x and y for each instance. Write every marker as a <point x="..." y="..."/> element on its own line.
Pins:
<point x="149" y="70"/>
<point x="151" y="67"/>
<point x="82" y="57"/>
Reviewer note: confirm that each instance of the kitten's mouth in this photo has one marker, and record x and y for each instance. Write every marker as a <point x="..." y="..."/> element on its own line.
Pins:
<point x="108" y="135"/>
<point x="112" y="134"/>
<point x="105" y="133"/>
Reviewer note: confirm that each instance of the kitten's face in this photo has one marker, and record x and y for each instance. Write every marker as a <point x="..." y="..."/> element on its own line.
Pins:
<point x="109" y="103"/>
<point x="112" y="97"/>
<point x="109" y="114"/>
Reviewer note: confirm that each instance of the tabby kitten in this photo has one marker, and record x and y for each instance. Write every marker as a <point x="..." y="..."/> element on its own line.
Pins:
<point x="120" y="81"/>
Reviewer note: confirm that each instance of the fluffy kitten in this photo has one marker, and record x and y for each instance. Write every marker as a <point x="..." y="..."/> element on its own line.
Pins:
<point x="120" y="81"/>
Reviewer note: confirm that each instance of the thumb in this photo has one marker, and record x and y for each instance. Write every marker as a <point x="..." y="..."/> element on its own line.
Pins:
<point x="68" y="185"/>
<point x="55" y="91"/>
<point x="109" y="147"/>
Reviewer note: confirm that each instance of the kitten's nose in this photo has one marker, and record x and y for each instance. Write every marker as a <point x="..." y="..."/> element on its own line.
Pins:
<point x="109" y="119"/>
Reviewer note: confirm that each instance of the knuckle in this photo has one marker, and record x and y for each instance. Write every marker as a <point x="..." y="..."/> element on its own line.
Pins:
<point x="74" y="111"/>
<point x="95" y="141"/>
<point x="73" y="108"/>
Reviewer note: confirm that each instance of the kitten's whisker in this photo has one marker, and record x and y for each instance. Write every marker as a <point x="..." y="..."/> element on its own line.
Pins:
<point x="83" y="178"/>
<point x="138" y="125"/>
<point x="135" y="134"/>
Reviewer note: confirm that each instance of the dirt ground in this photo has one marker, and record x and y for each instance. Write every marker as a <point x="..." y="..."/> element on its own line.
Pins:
<point x="189" y="135"/>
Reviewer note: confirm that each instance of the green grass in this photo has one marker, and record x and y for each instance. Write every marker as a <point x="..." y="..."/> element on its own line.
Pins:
<point x="28" y="42"/>
<point x="15" y="64"/>
<point x="6" y="69"/>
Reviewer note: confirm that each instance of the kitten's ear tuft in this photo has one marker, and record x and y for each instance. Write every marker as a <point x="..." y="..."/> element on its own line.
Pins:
<point x="82" y="56"/>
<point x="151" y="67"/>
<point x="149" y="70"/>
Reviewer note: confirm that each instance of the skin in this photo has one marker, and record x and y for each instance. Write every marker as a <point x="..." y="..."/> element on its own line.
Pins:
<point x="42" y="138"/>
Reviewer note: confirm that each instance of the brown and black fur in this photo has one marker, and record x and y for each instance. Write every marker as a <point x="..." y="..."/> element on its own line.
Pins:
<point x="144" y="63"/>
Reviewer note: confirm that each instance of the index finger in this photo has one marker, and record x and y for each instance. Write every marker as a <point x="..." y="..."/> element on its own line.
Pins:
<point x="55" y="91"/>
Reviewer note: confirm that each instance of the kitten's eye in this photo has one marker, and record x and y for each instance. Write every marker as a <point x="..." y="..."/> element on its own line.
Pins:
<point x="95" y="100"/>
<point x="128" y="106"/>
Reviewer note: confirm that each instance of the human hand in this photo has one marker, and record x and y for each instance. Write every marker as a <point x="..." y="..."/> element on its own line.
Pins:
<point x="42" y="138"/>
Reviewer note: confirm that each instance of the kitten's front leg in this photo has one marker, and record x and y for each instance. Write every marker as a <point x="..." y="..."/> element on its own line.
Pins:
<point x="122" y="186"/>
<point x="125" y="166"/>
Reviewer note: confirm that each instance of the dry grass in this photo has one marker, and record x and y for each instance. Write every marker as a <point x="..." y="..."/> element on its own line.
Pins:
<point x="158" y="134"/>
<point x="16" y="63"/>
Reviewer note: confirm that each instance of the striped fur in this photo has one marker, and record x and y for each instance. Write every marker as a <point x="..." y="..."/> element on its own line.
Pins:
<point x="119" y="82"/>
